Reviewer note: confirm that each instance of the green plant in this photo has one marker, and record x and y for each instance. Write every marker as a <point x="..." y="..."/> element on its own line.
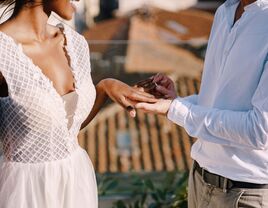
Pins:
<point x="165" y="190"/>
<point x="106" y="184"/>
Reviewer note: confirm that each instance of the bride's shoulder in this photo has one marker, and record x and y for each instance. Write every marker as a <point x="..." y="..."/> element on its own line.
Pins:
<point x="3" y="31"/>
<point x="6" y="36"/>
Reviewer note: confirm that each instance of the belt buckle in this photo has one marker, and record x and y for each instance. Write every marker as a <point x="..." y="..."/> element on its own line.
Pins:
<point x="203" y="171"/>
<point x="204" y="178"/>
<point x="225" y="181"/>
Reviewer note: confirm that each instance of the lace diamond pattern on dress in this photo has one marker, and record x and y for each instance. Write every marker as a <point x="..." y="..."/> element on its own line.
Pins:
<point x="33" y="127"/>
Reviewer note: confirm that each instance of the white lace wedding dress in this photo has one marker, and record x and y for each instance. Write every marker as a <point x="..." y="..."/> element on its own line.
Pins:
<point x="42" y="164"/>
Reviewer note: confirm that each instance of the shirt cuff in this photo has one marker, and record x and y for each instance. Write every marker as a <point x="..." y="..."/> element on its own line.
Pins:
<point x="178" y="111"/>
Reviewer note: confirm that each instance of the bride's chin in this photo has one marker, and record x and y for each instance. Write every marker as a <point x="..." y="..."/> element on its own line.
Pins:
<point x="73" y="6"/>
<point x="70" y="11"/>
<point x="67" y="15"/>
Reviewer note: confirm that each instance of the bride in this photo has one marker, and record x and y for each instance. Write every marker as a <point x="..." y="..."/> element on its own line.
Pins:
<point x="46" y="97"/>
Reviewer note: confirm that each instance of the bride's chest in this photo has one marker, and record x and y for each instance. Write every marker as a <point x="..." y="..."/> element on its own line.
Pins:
<point x="30" y="90"/>
<point x="54" y="62"/>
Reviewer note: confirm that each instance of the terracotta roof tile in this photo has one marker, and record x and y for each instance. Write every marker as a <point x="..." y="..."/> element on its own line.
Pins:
<point x="187" y="24"/>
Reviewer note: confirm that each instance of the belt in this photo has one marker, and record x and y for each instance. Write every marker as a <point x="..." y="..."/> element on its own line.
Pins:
<point x="225" y="183"/>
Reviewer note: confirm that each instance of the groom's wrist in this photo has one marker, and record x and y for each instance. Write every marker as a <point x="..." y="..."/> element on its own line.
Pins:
<point x="178" y="110"/>
<point x="168" y="104"/>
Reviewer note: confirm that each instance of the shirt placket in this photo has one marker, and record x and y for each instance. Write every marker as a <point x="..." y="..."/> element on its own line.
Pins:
<point x="230" y="40"/>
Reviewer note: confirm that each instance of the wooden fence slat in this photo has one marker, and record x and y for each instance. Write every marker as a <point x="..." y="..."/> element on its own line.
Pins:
<point x="165" y="144"/>
<point x="113" y="155"/>
<point x="147" y="161"/>
<point x="190" y="86"/>
<point x="187" y="148"/>
<point x="136" y="152"/>
<point x="124" y="159"/>
<point x="155" y="143"/>
<point x="102" y="154"/>
<point x="182" y="88"/>
<point x="176" y="148"/>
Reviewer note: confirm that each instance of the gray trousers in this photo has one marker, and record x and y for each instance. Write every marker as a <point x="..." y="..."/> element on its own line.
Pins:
<point x="202" y="195"/>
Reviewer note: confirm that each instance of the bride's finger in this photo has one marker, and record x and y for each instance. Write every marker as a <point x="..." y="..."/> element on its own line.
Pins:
<point x="128" y="106"/>
<point x="140" y="89"/>
<point x="142" y="83"/>
<point x="143" y="93"/>
<point x="141" y="97"/>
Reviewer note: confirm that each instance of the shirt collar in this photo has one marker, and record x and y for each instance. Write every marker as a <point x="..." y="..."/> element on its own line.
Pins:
<point x="229" y="3"/>
<point x="258" y="3"/>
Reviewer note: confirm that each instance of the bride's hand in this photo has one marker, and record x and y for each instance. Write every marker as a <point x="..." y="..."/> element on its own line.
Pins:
<point x="125" y="95"/>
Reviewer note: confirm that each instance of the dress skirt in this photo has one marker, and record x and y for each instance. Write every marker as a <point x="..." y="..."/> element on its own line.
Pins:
<point x="66" y="183"/>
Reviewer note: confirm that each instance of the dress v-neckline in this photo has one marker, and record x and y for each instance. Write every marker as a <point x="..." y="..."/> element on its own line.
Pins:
<point x="29" y="59"/>
<point x="40" y="71"/>
<point x="47" y="80"/>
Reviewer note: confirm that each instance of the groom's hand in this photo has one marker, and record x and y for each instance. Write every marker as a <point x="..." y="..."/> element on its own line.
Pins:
<point x="159" y="85"/>
<point x="160" y="107"/>
<point x="165" y="86"/>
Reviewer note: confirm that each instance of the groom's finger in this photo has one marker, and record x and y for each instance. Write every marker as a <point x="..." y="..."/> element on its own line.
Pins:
<point x="158" y="77"/>
<point x="162" y="90"/>
<point x="146" y="107"/>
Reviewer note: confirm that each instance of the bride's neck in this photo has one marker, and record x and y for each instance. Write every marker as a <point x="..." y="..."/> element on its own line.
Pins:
<point x="32" y="21"/>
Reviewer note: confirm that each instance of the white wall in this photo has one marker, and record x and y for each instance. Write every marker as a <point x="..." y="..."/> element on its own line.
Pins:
<point x="92" y="9"/>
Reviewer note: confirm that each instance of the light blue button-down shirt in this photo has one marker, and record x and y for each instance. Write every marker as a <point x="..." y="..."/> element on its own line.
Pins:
<point x="230" y="115"/>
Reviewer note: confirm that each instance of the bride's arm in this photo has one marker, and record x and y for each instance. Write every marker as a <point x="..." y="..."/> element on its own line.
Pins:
<point x="120" y="93"/>
<point x="101" y="98"/>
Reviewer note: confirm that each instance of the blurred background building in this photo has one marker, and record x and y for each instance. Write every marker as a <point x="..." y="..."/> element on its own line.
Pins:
<point x="131" y="40"/>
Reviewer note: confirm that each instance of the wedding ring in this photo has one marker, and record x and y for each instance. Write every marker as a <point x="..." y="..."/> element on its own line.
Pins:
<point x="129" y="108"/>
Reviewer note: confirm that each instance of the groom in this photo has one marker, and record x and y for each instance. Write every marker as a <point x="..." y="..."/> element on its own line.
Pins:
<point x="229" y="117"/>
